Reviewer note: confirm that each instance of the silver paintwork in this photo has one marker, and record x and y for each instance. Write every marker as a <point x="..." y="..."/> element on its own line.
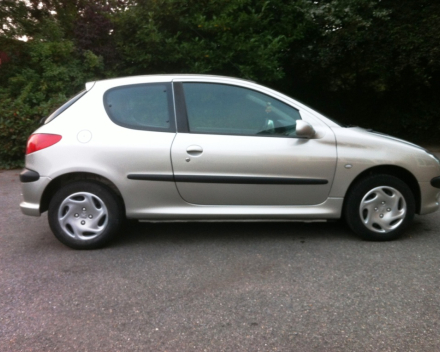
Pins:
<point x="254" y="156"/>
<point x="365" y="150"/>
<point x="330" y="209"/>
<point x="382" y="209"/>
<point x="83" y="216"/>
<point x="31" y="194"/>
<point x="113" y="152"/>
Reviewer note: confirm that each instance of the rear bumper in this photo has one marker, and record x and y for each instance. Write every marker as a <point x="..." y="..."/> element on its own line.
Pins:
<point x="30" y="209"/>
<point x="32" y="193"/>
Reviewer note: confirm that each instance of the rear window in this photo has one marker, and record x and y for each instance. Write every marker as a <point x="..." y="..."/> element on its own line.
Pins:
<point x="65" y="106"/>
<point x="142" y="106"/>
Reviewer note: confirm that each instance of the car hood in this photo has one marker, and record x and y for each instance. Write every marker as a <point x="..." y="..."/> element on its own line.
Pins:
<point x="383" y="135"/>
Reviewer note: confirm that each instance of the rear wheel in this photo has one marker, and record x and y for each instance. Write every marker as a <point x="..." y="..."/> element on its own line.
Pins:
<point x="85" y="215"/>
<point x="379" y="208"/>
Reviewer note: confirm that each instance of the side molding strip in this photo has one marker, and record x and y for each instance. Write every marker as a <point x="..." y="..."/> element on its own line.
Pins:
<point x="150" y="177"/>
<point x="27" y="175"/>
<point x="250" y="180"/>
<point x="230" y="179"/>
<point x="435" y="182"/>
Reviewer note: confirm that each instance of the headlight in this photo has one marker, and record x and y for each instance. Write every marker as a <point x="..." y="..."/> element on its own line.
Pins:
<point x="434" y="157"/>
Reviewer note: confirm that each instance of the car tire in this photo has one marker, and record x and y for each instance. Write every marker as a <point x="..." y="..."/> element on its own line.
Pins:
<point x="379" y="207"/>
<point x="85" y="215"/>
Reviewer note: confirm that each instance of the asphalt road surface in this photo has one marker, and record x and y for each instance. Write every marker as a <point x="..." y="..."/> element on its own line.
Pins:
<point x="217" y="287"/>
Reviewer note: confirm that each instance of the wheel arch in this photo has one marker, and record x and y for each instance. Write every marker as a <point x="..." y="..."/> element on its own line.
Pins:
<point x="396" y="171"/>
<point x="65" y="179"/>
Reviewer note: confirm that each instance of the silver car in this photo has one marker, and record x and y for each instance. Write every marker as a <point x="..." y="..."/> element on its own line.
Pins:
<point x="198" y="147"/>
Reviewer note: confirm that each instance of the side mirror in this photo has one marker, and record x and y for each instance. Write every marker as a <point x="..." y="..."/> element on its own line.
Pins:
<point x="304" y="129"/>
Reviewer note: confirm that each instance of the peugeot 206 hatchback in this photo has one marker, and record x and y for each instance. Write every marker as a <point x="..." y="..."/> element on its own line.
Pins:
<point x="196" y="147"/>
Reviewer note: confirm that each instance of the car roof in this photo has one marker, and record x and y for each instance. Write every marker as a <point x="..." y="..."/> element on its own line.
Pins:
<point x="161" y="77"/>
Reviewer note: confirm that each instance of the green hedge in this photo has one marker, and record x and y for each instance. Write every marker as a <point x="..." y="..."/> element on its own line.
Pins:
<point x="372" y="63"/>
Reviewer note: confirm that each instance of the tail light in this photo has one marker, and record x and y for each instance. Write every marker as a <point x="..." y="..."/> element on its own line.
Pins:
<point x="40" y="141"/>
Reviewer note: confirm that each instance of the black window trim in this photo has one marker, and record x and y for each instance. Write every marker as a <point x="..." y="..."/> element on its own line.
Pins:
<point x="170" y="105"/>
<point x="180" y="104"/>
<point x="182" y="114"/>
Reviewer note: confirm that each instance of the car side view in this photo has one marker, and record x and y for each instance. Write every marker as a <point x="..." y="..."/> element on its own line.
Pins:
<point x="199" y="147"/>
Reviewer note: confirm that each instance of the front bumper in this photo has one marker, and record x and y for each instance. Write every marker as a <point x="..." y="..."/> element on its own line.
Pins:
<point x="430" y="198"/>
<point x="435" y="182"/>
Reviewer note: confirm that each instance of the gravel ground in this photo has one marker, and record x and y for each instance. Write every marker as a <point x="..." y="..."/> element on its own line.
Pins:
<point x="217" y="287"/>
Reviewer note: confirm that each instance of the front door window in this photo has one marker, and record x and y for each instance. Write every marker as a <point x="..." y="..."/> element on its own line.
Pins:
<point x="225" y="109"/>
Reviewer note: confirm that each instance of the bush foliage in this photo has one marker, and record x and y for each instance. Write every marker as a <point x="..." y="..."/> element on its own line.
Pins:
<point x="374" y="63"/>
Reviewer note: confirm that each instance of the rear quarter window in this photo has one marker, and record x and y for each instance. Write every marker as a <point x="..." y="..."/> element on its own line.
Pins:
<point x="65" y="106"/>
<point x="141" y="106"/>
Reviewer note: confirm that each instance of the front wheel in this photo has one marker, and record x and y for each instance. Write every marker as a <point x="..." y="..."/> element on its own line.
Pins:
<point x="84" y="215"/>
<point x="379" y="208"/>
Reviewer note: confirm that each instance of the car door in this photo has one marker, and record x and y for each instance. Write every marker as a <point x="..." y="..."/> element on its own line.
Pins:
<point x="238" y="146"/>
